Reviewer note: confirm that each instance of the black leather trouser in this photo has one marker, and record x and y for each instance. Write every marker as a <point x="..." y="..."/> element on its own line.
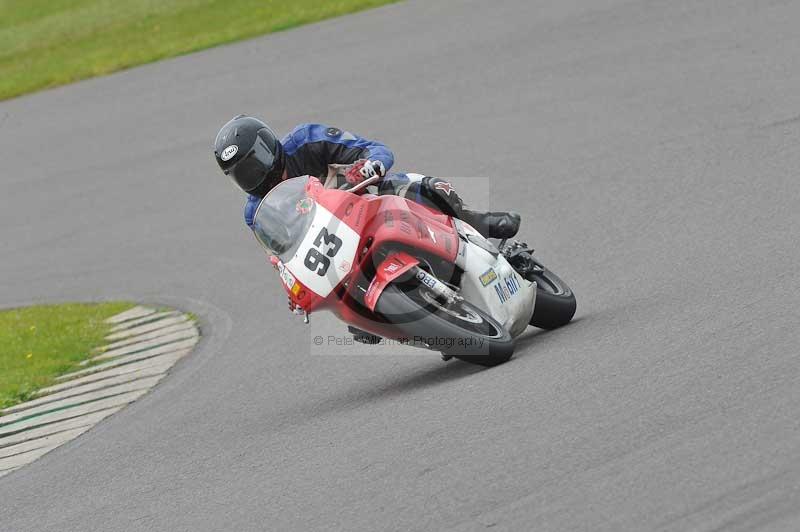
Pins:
<point x="432" y="192"/>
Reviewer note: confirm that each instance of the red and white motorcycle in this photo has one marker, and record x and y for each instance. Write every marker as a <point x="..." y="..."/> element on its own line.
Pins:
<point x="390" y="267"/>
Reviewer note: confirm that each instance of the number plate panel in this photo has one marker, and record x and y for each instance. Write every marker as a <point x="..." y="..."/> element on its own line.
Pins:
<point x="326" y="254"/>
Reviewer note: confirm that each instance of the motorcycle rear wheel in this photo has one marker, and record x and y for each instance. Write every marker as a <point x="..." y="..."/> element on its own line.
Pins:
<point x="460" y="329"/>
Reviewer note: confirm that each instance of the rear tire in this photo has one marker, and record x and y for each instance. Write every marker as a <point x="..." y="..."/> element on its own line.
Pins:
<point x="461" y="330"/>
<point x="555" y="302"/>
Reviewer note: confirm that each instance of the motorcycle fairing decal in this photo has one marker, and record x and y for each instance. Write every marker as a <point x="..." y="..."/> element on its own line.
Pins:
<point x="305" y="205"/>
<point x="488" y="276"/>
<point x="427" y="279"/>
<point x="390" y="269"/>
<point x="288" y="279"/>
<point x="506" y="288"/>
<point x="328" y="246"/>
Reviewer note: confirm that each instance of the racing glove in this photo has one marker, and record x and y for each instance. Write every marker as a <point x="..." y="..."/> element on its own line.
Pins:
<point x="364" y="169"/>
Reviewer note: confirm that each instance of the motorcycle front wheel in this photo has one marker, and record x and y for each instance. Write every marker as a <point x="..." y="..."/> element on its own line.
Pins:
<point x="555" y="301"/>
<point x="457" y="329"/>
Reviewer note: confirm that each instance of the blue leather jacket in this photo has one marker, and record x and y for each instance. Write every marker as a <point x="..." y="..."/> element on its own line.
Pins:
<point x="310" y="148"/>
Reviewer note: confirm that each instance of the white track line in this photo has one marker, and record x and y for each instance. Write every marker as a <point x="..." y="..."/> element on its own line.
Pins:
<point x="148" y="365"/>
<point x="80" y="422"/>
<point x="146" y="328"/>
<point x="178" y="347"/>
<point x="27" y="457"/>
<point x="132" y="314"/>
<point x="158" y="333"/>
<point x="65" y="405"/>
<point x="70" y="413"/>
<point x="104" y="384"/>
<point x="145" y="319"/>
<point x="147" y="345"/>
<point x="40" y="443"/>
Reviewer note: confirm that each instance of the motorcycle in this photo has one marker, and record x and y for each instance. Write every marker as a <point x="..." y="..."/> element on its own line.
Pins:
<point x="393" y="268"/>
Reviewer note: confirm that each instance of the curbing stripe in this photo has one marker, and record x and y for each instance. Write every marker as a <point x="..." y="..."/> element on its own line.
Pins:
<point x="19" y="460"/>
<point x="82" y="399"/>
<point x="184" y="326"/>
<point x="52" y="439"/>
<point x="77" y="391"/>
<point x="69" y="413"/>
<point x="147" y="345"/>
<point x="134" y="313"/>
<point x="182" y="347"/>
<point x="151" y="365"/>
<point x="147" y="327"/>
<point x="143" y="320"/>
<point x="143" y="345"/>
<point x="86" y="422"/>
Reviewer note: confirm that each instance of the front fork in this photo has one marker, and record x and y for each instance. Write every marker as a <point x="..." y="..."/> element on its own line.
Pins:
<point x="520" y="257"/>
<point x="437" y="287"/>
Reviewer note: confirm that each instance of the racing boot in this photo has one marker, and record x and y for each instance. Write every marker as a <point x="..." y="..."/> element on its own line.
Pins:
<point x="489" y="224"/>
<point x="492" y="224"/>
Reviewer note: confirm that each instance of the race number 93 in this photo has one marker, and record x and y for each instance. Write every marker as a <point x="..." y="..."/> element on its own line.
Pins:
<point x="318" y="259"/>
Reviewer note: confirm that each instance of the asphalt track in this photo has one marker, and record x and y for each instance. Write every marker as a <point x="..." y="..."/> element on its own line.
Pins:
<point x="653" y="148"/>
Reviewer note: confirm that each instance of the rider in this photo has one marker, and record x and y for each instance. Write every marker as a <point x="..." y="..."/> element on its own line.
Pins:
<point x="249" y="151"/>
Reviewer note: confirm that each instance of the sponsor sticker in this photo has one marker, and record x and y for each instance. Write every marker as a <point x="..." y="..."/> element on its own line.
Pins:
<point x="333" y="132"/>
<point x="506" y="288"/>
<point x="488" y="277"/>
<point x="427" y="280"/>
<point x="288" y="279"/>
<point x="229" y="152"/>
<point x="392" y="267"/>
<point x="305" y="205"/>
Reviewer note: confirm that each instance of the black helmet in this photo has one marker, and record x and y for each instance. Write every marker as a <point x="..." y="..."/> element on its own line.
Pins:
<point x="248" y="150"/>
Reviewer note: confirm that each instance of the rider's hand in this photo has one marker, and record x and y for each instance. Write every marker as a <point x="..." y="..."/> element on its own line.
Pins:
<point x="364" y="169"/>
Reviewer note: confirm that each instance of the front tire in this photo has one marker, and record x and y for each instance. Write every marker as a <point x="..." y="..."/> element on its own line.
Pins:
<point x="461" y="329"/>
<point x="555" y="301"/>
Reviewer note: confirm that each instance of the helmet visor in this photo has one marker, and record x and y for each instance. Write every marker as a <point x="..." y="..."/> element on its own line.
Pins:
<point x="253" y="169"/>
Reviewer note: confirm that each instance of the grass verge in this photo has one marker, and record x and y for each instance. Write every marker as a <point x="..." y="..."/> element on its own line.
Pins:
<point x="40" y="343"/>
<point x="44" y="43"/>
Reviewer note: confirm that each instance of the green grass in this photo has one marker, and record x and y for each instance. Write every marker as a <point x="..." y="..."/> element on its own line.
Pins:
<point x="39" y="343"/>
<point x="44" y="43"/>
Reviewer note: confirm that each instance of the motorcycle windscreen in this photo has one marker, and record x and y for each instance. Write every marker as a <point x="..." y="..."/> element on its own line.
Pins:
<point x="283" y="217"/>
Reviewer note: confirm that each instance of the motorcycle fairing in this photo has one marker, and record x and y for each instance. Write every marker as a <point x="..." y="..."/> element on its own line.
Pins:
<point x="360" y="223"/>
<point x="491" y="283"/>
<point x="325" y="255"/>
<point x="390" y="269"/>
<point x="393" y="219"/>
